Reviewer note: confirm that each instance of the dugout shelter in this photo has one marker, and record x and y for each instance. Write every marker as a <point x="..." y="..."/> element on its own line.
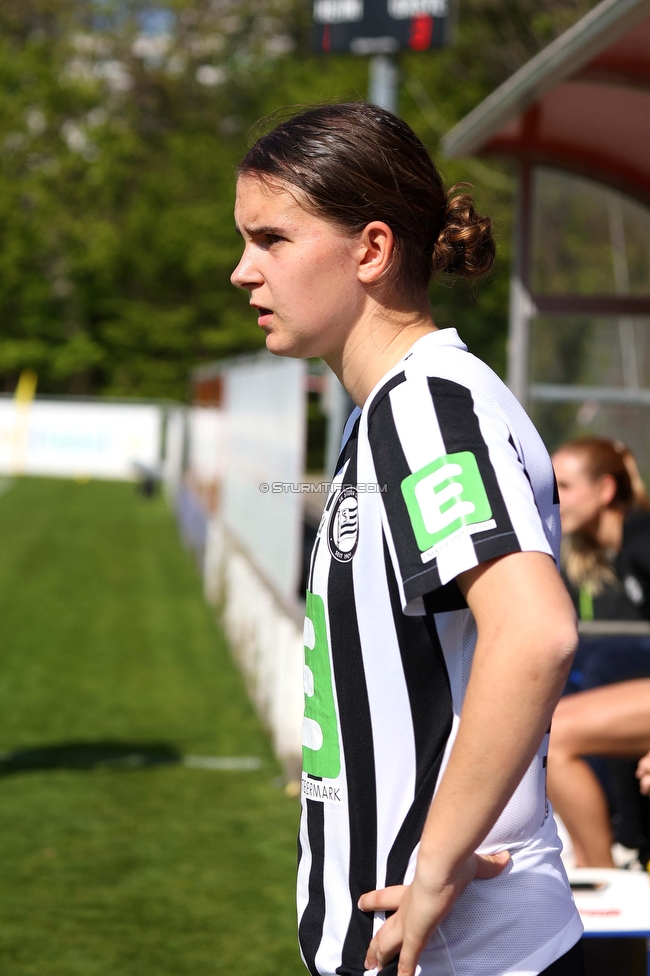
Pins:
<point x="576" y="120"/>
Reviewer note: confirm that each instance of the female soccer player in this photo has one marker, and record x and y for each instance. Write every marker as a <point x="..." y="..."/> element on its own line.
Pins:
<point x="438" y="634"/>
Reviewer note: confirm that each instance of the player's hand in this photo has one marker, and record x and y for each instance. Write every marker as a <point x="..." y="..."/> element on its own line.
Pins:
<point x="419" y="908"/>
<point x="643" y="774"/>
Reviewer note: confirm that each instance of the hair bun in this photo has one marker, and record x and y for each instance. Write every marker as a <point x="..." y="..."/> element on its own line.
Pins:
<point x="465" y="245"/>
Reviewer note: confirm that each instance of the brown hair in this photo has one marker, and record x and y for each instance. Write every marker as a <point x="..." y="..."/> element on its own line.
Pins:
<point x="357" y="163"/>
<point x="602" y="456"/>
<point x="587" y="564"/>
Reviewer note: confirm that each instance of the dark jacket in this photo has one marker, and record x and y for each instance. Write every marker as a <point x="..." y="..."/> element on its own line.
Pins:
<point x="629" y="597"/>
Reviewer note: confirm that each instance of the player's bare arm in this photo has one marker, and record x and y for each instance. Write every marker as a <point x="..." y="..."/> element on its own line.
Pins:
<point x="526" y="641"/>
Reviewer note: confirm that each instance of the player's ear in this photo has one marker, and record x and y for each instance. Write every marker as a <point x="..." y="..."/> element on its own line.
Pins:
<point x="607" y="489"/>
<point x="376" y="250"/>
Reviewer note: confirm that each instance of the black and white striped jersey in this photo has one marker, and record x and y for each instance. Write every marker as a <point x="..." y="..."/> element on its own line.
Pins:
<point x="441" y="471"/>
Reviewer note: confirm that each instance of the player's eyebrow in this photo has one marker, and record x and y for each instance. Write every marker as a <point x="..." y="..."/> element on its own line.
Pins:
<point x="261" y="231"/>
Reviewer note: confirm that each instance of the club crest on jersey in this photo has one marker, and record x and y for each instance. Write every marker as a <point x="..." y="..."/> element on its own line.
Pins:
<point x="343" y="529"/>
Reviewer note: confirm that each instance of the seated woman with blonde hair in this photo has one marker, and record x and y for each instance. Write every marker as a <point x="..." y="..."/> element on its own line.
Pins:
<point x="606" y="560"/>
<point x="605" y="516"/>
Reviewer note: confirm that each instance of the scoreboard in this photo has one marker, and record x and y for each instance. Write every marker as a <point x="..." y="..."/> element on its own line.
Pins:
<point x="379" y="26"/>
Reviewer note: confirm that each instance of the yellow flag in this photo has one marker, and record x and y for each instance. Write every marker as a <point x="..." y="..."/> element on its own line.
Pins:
<point x="26" y="387"/>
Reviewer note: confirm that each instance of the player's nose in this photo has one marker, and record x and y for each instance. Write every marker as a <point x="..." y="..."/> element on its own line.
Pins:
<point x="246" y="274"/>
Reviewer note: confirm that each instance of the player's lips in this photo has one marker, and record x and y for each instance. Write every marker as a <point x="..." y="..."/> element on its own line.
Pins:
<point x="264" y="314"/>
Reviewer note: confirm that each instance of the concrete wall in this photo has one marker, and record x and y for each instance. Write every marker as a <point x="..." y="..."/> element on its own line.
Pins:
<point x="265" y="635"/>
<point x="265" y="432"/>
<point x="247" y="541"/>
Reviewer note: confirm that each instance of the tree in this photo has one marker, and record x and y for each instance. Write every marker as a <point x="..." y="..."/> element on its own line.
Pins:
<point x="120" y="130"/>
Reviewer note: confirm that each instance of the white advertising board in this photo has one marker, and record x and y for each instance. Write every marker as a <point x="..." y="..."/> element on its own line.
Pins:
<point x="206" y="444"/>
<point x="266" y="431"/>
<point x="172" y="467"/>
<point x="79" y="439"/>
<point x="612" y="901"/>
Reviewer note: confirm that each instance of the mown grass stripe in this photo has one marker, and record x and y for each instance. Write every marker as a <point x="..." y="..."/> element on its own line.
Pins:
<point x="108" y="651"/>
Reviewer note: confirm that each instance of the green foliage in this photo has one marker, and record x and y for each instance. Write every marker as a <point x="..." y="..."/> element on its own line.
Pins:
<point x="118" y="871"/>
<point x="589" y="239"/>
<point x="121" y="126"/>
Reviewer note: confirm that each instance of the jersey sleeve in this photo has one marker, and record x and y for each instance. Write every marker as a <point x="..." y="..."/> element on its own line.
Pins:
<point x="454" y="490"/>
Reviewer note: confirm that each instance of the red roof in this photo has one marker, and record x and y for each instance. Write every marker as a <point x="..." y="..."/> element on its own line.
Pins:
<point x="581" y="104"/>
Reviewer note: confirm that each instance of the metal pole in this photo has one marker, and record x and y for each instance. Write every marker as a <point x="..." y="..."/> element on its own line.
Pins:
<point x="626" y="331"/>
<point x="383" y="82"/>
<point x="522" y="307"/>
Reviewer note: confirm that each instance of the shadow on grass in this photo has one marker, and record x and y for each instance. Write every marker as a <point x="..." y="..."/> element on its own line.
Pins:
<point x="88" y="755"/>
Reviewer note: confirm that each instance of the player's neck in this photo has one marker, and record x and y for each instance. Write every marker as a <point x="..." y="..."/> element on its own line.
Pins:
<point x="378" y="341"/>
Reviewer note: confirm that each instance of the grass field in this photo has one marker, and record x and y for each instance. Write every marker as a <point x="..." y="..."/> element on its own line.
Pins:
<point x="106" y="647"/>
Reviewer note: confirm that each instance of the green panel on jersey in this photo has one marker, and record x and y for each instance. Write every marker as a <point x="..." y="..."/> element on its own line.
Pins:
<point x="321" y="753"/>
<point x="585" y="604"/>
<point x="443" y="496"/>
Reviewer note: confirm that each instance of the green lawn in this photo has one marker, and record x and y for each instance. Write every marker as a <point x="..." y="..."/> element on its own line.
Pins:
<point x="107" y="647"/>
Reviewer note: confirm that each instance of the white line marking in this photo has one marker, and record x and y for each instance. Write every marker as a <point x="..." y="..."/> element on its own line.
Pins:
<point x="222" y="762"/>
